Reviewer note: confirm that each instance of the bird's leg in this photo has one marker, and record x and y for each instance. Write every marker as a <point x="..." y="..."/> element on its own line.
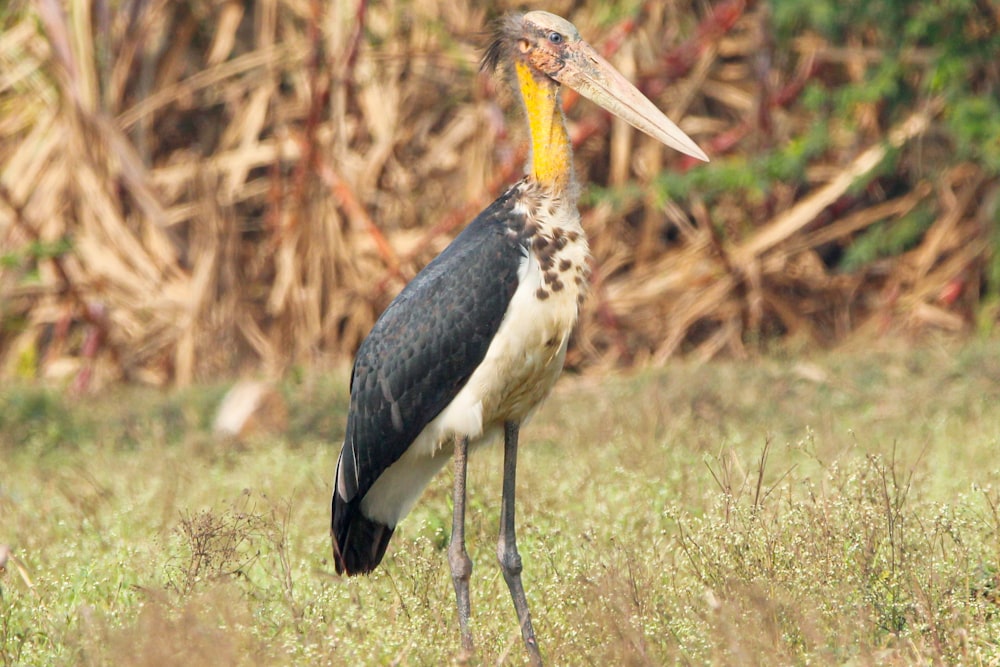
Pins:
<point x="458" y="557"/>
<point x="510" y="560"/>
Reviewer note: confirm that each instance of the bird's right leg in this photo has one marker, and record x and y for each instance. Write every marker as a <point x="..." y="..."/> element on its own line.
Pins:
<point x="510" y="559"/>
<point x="458" y="557"/>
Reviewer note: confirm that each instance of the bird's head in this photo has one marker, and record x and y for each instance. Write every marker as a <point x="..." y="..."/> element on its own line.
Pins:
<point x="550" y="49"/>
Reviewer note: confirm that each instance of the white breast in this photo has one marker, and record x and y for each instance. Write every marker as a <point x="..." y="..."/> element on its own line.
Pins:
<point x="522" y="363"/>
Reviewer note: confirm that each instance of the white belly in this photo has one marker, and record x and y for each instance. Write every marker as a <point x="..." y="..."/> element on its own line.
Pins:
<point x="521" y="365"/>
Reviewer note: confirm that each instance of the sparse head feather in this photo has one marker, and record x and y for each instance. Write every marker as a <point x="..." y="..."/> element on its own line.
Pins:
<point x="498" y="52"/>
<point x="545" y="23"/>
<point x="514" y="30"/>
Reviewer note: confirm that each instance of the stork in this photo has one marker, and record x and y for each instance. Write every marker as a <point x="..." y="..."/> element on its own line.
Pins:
<point x="476" y="340"/>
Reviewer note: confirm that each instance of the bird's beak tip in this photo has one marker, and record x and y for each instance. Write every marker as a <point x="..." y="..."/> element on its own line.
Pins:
<point x="701" y="155"/>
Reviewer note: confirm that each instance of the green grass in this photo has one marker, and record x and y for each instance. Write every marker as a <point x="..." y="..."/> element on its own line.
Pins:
<point x="650" y="529"/>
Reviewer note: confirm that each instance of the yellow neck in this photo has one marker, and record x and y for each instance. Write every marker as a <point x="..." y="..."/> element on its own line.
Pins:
<point x="551" y="152"/>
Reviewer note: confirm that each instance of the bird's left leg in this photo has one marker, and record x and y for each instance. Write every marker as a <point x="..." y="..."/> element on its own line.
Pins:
<point x="510" y="560"/>
<point x="458" y="557"/>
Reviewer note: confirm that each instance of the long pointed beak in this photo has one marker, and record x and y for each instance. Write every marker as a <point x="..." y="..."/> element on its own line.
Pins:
<point x="589" y="74"/>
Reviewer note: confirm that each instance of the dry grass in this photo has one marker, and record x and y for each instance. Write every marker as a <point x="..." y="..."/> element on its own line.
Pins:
<point x="195" y="187"/>
<point x="664" y="518"/>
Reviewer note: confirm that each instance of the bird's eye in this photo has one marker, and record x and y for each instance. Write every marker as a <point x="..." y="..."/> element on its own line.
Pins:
<point x="555" y="38"/>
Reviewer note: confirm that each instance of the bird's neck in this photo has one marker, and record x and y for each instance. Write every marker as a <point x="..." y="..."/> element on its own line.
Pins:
<point x="551" y="162"/>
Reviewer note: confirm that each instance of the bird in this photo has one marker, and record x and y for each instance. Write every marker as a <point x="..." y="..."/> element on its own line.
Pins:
<point x="475" y="341"/>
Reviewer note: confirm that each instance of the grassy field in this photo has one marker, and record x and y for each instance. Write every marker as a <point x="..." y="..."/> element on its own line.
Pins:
<point x="834" y="509"/>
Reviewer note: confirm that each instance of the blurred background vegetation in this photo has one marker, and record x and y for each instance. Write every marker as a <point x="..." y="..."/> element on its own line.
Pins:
<point x="201" y="187"/>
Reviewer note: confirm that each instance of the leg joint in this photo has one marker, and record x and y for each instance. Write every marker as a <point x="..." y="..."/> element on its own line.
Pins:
<point x="461" y="564"/>
<point x="510" y="559"/>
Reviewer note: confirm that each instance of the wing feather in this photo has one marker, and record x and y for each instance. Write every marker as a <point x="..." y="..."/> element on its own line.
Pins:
<point x="427" y="343"/>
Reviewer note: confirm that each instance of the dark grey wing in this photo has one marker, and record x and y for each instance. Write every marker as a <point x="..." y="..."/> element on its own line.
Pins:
<point x="422" y="351"/>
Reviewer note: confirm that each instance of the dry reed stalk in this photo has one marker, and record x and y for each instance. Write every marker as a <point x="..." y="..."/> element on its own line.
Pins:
<point x="198" y="188"/>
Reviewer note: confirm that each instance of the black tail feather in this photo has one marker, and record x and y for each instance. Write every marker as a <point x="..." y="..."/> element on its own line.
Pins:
<point x="358" y="542"/>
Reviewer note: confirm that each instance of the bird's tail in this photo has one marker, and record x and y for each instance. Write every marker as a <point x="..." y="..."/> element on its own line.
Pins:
<point x="358" y="542"/>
